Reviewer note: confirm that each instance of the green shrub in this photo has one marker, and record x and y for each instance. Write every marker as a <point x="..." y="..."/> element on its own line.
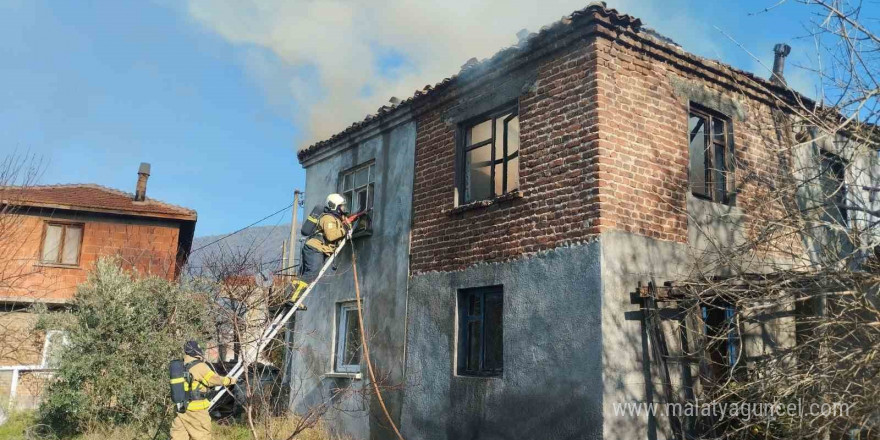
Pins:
<point x="122" y="332"/>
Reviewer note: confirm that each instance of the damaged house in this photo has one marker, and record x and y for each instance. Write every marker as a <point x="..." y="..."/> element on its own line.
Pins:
<point x="519" y="210"/>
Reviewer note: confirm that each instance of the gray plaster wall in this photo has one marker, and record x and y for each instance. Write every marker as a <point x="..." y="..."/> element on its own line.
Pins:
<point x="552" y="382"/>
<point x="862" y="177"/>
<point x="382" y="262"/>
<point x="630" y="375"/>
<point x="628" y="259"/>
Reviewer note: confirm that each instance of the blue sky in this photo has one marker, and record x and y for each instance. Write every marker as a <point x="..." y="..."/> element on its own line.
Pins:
<point x="218" y="108"/>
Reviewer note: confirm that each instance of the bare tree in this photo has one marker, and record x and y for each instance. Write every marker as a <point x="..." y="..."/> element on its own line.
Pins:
<point x="786" y="317"/>
<point x="248" y="292"/>
<point x="18" y="345"/>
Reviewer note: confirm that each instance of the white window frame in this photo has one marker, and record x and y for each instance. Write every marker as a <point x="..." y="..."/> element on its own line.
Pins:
<point x="339" y="366"/>
<point x="349" y="190"/>
<point x="50" y="341"/>
<point x="43" y="370"/>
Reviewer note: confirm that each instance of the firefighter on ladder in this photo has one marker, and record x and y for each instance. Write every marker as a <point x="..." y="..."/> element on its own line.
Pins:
<point x="195" y="423"/>
<point x="329" y="229"/>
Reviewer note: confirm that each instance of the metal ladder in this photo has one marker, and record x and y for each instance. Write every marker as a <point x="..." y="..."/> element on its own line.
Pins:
<point x="276" y="325"/>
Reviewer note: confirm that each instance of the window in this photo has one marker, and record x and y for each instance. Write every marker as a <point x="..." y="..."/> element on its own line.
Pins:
<point x="710" y="137"/>
<point x="722" y="339"/>
<point x="55" y="342"/>
<point x="357" y="187"/>
<point x="61" y="244"/>
<point x="490" y="156"/>
<point x="832" y="179"/>
<point x="481" y="331"/>
<point x="348" y="339"/>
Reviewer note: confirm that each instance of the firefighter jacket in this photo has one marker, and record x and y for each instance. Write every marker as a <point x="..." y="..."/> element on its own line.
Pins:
<point x="203" y="379"/>
<point x="331" y="229"/>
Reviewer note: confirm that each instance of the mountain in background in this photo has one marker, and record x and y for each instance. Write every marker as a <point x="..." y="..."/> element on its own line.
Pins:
<point x="258" y="248"/>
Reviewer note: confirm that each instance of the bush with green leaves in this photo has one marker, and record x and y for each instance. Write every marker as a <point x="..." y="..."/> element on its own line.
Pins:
<point x="122" y="330"/>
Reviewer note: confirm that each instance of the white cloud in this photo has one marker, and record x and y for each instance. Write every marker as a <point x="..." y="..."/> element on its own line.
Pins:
<point x="330" y="48"/>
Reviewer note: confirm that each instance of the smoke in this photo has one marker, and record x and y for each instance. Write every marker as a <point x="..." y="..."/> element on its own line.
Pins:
<point x="337" y="61"/>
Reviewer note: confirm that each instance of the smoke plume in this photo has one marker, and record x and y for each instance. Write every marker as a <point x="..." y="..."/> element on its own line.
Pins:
<point x="337" y="61"/>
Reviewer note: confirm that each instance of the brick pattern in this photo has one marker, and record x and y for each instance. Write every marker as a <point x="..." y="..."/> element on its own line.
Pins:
<point x="559" y="134"/>
<point x="643" y="156"/>
<point x="604" y="147"/>
<point x="19" y="344"/>
<point x="146" y="248"/>
<point x="643" y="177"/>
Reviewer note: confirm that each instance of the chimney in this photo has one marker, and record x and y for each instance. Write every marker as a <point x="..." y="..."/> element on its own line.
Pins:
<point x="140" y="192"/>
<point x="780" y="51"/>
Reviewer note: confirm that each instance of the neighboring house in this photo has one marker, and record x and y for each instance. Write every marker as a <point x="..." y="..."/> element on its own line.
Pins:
<point x="51" y="237"/>
<point x="516" y="208"/>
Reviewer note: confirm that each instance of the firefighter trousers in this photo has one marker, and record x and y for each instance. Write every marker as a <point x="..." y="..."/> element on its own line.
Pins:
<point x="311" y="262"/>
<point x="191" y="425"/>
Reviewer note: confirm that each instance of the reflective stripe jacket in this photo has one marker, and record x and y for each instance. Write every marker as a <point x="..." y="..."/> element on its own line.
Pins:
<point x="204" y="378"/>
<point x="330" y="230"/>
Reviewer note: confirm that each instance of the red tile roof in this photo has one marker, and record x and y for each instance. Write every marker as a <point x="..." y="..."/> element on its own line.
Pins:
<point x="93" y="198"/>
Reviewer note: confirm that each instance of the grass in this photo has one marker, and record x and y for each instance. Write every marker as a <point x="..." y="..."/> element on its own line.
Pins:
<point x="271" y="429"/>
<point x="14" y="428"/>
<point x="274" y="428"/>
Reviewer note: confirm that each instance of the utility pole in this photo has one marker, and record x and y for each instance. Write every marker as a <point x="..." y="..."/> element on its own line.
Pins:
<point x="291" y="243"/>
<point x="283" y="259"/>
<point x="287" y="275"/>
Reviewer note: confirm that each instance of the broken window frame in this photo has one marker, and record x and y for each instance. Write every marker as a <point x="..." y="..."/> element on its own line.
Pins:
<point x="341" y="364"/>
<point x="834" y="167"/>
<point x="363" y="226"/>
<point x="352" y="190"/>
<point x="466" y="318"/>
<point x="731" y="349"/>
<point x="59" y="256"/>
<point x="511" y="111"/>
<point x="714" y="149"/>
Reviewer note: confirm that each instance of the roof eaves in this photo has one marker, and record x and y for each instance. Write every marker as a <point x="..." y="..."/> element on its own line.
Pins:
<point x="594" y="12"/>
<point x="180" y="212"/>
<point x="530" y="43"/>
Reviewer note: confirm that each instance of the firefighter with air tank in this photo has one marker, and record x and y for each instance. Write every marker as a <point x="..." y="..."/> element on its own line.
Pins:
<point x="191" y="379"/>
<point x="325" y="228"/>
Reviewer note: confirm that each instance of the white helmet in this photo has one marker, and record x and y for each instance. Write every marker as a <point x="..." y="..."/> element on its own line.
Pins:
<point x="335" y="201"/>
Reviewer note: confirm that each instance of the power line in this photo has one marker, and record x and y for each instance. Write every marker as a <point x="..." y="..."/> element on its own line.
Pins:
<point x="242" y="229"/>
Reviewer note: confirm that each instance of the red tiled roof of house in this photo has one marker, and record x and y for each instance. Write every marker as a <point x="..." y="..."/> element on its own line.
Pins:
<point x="90" y="197"/>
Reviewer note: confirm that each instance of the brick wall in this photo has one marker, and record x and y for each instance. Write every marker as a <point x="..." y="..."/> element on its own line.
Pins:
<point x="604" y="147"/>
<point x="558" y="125"/>
<point x="148" y="247"/>
<point x="19" y="344"/>
<point x="643" y="147"/>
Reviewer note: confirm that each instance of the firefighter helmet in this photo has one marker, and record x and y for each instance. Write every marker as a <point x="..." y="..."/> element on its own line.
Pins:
<point x="335" y="202"/>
